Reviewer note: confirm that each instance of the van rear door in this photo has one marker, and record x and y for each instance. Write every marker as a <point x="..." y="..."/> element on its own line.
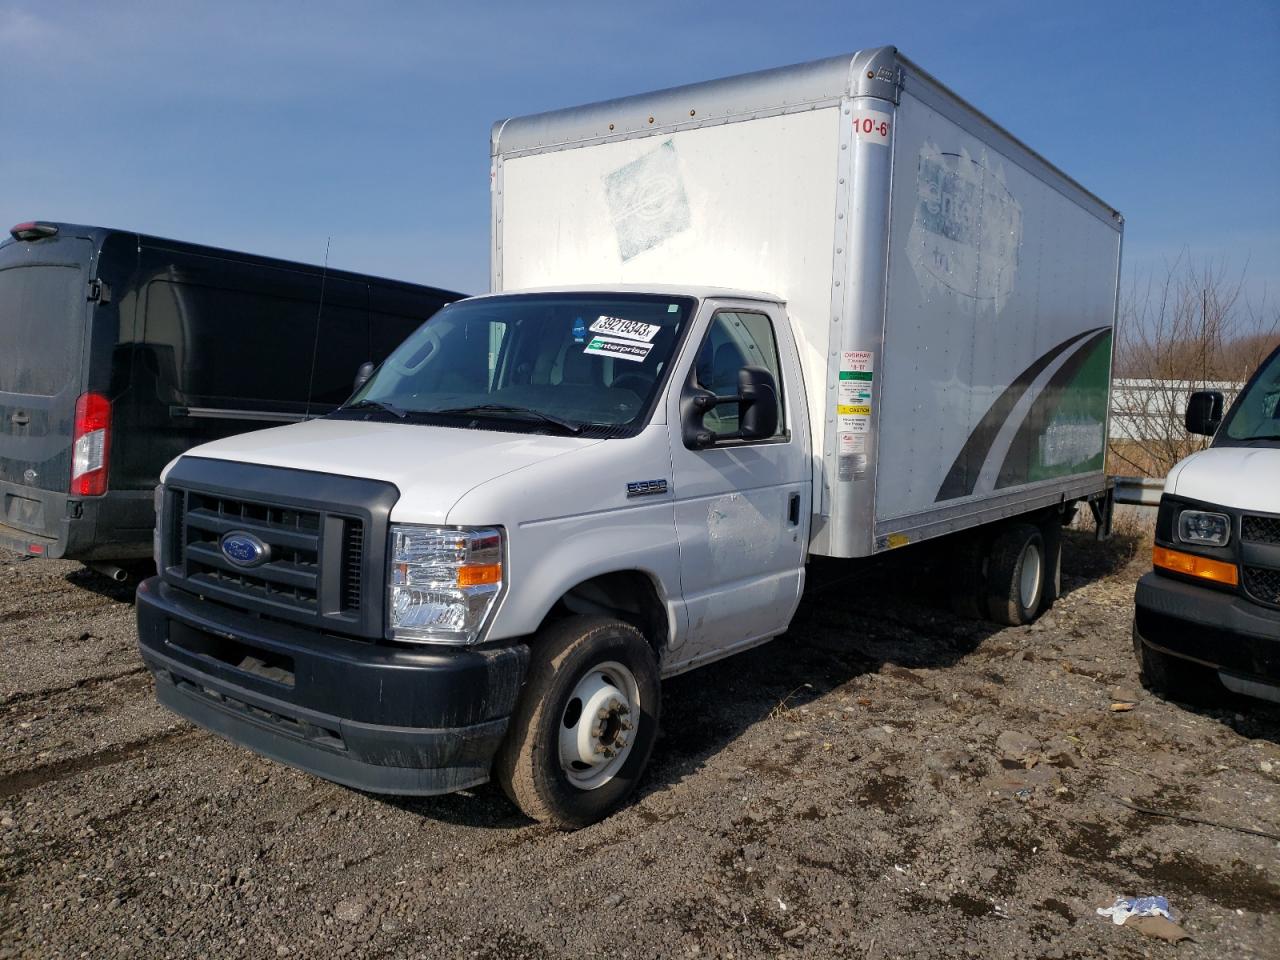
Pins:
<point x="43" y="311"/>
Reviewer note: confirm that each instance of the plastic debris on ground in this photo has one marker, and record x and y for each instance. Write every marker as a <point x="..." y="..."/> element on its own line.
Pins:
<point x="1150" y="916"/>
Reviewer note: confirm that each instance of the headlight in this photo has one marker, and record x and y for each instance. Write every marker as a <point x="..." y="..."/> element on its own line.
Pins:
<point x="443" y="582"/>
<point x="1209" y="529"/>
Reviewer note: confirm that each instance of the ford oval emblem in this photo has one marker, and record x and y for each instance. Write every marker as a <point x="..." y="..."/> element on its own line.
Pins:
<point x="244" y="549"/>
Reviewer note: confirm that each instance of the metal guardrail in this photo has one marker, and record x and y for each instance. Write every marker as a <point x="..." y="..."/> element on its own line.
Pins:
<point x="1139" y="491"/>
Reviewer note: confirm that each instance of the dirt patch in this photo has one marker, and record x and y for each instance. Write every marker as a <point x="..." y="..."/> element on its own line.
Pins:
<point x="886" y="780"/>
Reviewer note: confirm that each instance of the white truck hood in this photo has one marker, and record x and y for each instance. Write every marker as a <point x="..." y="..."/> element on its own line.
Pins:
<point x="432" y="466"/>
<point x="1247" y="478"/>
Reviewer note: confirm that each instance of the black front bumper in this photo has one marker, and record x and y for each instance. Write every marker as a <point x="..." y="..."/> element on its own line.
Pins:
<point x="370" y="716"/>
<point x="1209" y="627"/>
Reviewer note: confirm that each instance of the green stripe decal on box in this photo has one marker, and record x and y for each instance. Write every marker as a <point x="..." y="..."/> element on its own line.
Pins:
<point x="1063" y="432"/>
<point x="963" y="475"/>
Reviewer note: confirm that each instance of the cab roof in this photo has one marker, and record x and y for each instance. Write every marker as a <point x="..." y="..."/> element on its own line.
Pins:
<point x="656" y="289"/>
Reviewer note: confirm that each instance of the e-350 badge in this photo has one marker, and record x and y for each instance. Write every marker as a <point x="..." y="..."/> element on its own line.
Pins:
<point x="646" y="488"/>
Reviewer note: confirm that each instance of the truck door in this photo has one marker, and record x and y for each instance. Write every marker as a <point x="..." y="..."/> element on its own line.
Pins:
<point x="742" y="507"/>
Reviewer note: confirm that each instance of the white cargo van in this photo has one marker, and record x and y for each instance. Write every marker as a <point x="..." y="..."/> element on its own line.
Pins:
<point x="1209" y="610"/>
<point x="827" y="309"/>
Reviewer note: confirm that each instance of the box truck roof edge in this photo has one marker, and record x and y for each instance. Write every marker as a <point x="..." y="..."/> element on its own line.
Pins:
<point x="875" y="72"/>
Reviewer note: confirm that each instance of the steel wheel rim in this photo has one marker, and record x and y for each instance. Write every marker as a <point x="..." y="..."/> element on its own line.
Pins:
<point x="1030" y="577"/>
<point x="598" y="725"/>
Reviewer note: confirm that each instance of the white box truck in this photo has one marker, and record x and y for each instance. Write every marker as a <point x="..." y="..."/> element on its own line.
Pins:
<point x="827" y="309"/>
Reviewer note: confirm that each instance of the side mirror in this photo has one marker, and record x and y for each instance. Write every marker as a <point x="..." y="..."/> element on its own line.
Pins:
<point x="757" y="404"/>
<point x="757" y="400"/>
<point x="1204" y="412"/>
<point x="363" y="373"/>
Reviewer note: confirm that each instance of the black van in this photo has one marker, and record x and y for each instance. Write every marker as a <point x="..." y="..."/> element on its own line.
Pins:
<point x="119" y="351"/>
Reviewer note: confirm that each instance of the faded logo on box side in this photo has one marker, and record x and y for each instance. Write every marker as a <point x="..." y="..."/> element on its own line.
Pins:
<point x="967" y="228"/>
<point x="647" y="201"/>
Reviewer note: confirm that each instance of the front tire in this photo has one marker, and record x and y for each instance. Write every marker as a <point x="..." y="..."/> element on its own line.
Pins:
<point x="585" y="725"/>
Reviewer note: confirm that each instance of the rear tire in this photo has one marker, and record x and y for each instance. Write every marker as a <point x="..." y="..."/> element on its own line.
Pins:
<point x="585" y="725"/>
<point x="1052" y="533"/>
<point x="1015" y="575"/>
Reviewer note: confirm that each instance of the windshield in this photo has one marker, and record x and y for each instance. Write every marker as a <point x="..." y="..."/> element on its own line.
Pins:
<point x="581" y="363"/>
<point x="1256" y="414"/>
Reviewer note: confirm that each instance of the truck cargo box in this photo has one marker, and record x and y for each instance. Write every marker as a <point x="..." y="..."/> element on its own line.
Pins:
<point x="952" y="292"/>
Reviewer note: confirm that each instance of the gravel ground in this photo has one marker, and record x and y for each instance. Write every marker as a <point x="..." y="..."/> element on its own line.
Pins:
<point x="883" y="781"/>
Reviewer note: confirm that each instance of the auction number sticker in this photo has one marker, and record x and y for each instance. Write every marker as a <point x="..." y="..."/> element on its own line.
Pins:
<point x="626" y="329"/>
<point x="873" y="125"/>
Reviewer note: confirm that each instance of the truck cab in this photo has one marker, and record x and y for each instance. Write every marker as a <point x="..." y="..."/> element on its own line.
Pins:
<point x="1209" y="610"/>
<point x="623" y="474"/>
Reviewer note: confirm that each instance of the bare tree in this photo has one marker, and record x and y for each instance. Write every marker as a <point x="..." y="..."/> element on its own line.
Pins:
<point x="1191" y="328"/>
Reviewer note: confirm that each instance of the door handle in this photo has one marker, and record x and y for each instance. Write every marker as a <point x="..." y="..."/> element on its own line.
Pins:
<point x="793" y="509"/>
<point x="19" y="419"/>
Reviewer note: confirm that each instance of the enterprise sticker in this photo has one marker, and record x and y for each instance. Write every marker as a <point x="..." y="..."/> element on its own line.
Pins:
<point x="626" y="329"/>
<point x="621" y="349"/>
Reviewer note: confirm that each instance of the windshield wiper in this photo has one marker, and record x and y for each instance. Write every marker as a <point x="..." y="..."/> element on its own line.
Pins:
<point x="375" y="404"/>
<point x="568" y="426"/>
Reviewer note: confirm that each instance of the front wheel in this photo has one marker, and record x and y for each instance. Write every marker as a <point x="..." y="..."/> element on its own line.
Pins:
<point x="585" y="725"/>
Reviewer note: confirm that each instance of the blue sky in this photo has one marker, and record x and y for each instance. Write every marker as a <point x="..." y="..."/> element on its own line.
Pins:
<point x="269" y="126"/>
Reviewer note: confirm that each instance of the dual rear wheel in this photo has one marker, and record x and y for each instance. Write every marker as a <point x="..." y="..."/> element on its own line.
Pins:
<point x="1010" y="578"/>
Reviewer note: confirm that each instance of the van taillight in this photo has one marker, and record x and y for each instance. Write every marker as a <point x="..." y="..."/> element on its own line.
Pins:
<point x="91" y="444"/>
<point x="33" y="230"/>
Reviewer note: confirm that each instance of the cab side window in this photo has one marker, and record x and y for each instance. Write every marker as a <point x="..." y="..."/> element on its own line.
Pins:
<point x="735" y="340"/>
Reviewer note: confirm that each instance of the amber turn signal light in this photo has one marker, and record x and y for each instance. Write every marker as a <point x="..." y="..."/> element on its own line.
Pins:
<point x="1193" y="566"/>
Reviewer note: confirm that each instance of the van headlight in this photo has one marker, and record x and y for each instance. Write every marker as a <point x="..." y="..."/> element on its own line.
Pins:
<point x="443" y="582"/>
<point x="1208" y="529"/>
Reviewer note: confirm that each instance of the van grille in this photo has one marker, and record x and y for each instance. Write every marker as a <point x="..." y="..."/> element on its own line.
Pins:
<point x="1263" y="584"/>
<point x="1260" y="529"/>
